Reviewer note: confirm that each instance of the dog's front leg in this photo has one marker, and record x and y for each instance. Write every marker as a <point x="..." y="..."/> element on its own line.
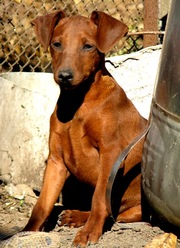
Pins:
<point x="93" y="228"/>
<point x="54" y="179"/>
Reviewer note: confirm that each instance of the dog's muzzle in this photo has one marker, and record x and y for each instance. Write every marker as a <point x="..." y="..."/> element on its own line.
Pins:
<point x="65" y="78"/>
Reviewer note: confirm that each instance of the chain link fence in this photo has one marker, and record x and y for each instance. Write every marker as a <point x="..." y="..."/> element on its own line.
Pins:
<point x="19" y="48"/>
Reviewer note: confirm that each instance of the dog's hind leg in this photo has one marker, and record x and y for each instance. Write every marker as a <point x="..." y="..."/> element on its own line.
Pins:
<point x="73" y="218"/>
<point x="133" y="214"/>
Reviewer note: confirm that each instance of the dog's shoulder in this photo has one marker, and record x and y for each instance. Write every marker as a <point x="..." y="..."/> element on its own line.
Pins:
<point x="111" y="90"/>
<point x="106" y="97"/>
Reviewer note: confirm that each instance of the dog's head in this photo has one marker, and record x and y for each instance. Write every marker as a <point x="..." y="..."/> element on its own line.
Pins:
<point x="77" y="43"/>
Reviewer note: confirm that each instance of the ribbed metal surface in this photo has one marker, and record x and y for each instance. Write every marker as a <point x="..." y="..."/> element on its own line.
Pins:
<point x="161" y="154"/>
<point x="161" y="165"/>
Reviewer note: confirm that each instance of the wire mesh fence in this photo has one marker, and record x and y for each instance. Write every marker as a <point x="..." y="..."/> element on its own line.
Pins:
<point x="19" y="48"/>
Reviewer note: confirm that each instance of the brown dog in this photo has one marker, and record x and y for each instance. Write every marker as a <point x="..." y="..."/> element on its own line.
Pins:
<point x="92" y="123"/>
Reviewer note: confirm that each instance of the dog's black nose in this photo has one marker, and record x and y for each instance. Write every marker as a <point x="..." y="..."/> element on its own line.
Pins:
<point x="65" y="76"/>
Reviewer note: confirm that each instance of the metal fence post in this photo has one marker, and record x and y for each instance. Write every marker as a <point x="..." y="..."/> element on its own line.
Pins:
<point x="150" y="22"/>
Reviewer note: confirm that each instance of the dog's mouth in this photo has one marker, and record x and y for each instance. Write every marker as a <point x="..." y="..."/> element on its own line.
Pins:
<point x="66" y="85"/>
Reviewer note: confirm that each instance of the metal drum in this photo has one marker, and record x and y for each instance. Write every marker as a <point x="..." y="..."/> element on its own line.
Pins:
<point x="161" y="154"/>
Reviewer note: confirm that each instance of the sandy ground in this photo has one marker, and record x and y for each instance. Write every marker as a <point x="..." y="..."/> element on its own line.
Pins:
<point x="14" y="214"/>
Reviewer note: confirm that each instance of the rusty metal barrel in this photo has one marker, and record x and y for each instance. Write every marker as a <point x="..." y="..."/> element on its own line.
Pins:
<point x="161" y="154"/>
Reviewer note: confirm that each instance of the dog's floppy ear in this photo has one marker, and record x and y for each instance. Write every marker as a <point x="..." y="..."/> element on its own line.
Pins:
<point x="44" y="26"/>
<point x="109" y="30"/>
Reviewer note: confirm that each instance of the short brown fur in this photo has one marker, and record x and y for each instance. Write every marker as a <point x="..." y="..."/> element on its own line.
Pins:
<point x="92" y="123"/>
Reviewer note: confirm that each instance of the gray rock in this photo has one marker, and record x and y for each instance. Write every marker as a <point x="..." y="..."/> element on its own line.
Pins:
<point x="27" y="101"/>
<point x="136" y="73"/>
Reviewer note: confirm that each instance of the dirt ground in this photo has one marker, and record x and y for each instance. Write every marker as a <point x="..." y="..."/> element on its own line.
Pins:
<point x="15" y="210"/>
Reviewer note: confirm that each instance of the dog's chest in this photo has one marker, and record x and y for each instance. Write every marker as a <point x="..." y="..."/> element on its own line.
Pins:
<point x="80" y="154"/>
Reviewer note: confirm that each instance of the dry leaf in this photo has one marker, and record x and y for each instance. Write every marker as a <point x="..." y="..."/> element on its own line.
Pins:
<point x="166" y="240"/>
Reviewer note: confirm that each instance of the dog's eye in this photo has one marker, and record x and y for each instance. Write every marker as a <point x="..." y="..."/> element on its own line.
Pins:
<point x="88" y="47"/>
<point x="56" y="44"/>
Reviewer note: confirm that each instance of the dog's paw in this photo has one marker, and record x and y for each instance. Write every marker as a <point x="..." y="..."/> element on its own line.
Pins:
<point x="86" y="237"/>
<point x="73" y="218"/>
